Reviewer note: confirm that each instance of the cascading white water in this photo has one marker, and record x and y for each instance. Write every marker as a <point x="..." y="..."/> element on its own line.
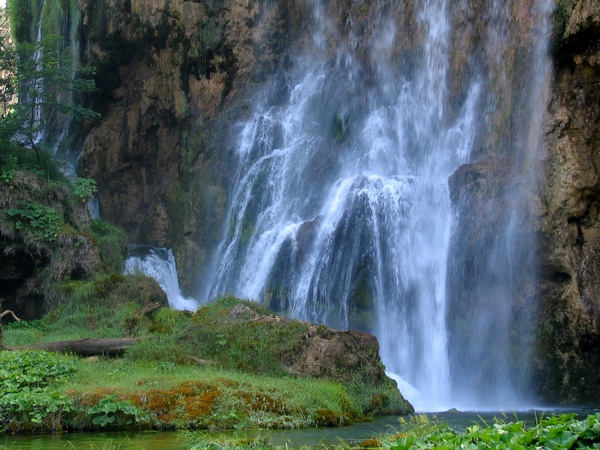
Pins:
<point x="52" y="127"/>
<point x="341" y="212"/>
<point x="159" y="263"/>
<point x="37" y="84"/>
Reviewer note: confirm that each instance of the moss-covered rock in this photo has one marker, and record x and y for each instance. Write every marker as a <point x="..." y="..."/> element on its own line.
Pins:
<point x="47" y="236"/>
<point x="245" y="336"/>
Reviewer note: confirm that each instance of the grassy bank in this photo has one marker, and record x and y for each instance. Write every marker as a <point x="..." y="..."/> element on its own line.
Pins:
<point x="188" y="371"/>
<point x="44" y="392"/>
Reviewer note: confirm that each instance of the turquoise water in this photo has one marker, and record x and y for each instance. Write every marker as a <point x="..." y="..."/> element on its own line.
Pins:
<point x="166" y="440"/>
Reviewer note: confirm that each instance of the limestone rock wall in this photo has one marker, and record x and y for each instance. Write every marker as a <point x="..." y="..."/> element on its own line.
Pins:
<point x="570" y="229"/>
<point x="172" y="75"/>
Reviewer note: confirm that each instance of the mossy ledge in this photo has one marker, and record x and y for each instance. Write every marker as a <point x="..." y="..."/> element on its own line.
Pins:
<point x="230" y="365"/>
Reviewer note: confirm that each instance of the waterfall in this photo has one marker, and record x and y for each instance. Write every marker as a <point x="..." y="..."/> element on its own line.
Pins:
<point x="341" y="211"/>
<point x="159" y="263"/>
<point x="52" y="127"/>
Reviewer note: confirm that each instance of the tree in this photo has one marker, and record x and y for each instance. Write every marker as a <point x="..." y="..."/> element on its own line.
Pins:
<point x="39" y="80"/>
<point x="8" y="81"/>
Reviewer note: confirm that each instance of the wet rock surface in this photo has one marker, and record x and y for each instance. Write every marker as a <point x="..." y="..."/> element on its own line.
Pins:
<point x="570" y="239"/>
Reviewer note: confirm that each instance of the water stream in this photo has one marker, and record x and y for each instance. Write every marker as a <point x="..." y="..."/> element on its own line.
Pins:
<point x="52" y="127"/>
<point x="341" y="212"/>
<point x="159" y="263"/>
<point x="289" y="439"/>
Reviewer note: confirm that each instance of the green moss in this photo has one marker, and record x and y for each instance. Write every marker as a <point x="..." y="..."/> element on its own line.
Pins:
<point x="104" y="286"/>
<point x="112" y="243"/>
<point x="21" y="19"/>
<point x="109" y="306"/>
<point x="560" y="18"/>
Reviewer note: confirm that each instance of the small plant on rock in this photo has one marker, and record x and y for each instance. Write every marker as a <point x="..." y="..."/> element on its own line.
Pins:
<point x="84" y="188"/>
<point x="42" y="221"/>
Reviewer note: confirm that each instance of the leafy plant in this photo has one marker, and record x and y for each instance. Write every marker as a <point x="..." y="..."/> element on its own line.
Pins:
<point x="27" y="398"/>
<point x="22" y="370"/>
<point x="7" y="176"/>
<point x="556" y="432"/>
<point x="111" y="411"/>
<point x="84" y="188"/>
<point x="34" y="408"/>
<point x="42" y="221"/>
<point x="221" y="339"/>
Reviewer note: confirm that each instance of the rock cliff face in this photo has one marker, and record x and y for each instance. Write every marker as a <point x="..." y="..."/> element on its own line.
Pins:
<point x="570" y="228"/>
<point x="174" y="76"/>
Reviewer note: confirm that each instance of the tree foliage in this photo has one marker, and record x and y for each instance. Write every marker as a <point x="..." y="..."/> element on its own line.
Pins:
<point x="39" y="80"/>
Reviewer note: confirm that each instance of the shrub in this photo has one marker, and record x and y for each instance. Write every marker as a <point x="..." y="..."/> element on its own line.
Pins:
<point x="84" y="188"/>
<point x="28" y="400"/>
<point x="111" y="412"/>
<point x="42" y="221"/>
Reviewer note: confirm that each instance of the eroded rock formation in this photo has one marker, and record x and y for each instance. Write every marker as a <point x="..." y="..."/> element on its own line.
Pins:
<point x="570" y="228"/>
<point x="172" y="76"/>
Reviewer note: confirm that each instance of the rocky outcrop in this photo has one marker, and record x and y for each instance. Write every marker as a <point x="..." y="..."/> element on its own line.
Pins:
<point x="245" y="335"/>
<point x="323" y="352"/>
<point x="570" y="229"/>
<point x="172" y="75"/>
<point x="39" y="245"/>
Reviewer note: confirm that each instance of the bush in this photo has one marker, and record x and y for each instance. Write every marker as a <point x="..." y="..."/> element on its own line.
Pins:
<point x="42" y="221"/>
<point x="28" y="397"/>
<point x="236" y="342"/>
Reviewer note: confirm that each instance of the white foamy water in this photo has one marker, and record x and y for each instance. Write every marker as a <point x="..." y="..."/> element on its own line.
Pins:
<point x="159" y="263"/>
<point x="341" y="213"/>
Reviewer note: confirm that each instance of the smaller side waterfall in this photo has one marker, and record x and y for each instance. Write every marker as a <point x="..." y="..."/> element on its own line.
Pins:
<point x="51" y="92"/>
<point x="159" y="263"/>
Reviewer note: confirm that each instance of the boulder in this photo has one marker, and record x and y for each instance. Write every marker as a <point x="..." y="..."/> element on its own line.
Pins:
<point x="244" y="335"/>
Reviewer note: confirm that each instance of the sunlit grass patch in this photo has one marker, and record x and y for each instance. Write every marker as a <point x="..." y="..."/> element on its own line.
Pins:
<point x="185" y="396"/>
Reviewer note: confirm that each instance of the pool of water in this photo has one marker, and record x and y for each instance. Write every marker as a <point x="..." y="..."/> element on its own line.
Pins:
<point x="172" y="440"/>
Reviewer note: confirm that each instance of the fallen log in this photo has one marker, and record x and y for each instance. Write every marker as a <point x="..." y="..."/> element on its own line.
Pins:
<point x="86" y="347"/>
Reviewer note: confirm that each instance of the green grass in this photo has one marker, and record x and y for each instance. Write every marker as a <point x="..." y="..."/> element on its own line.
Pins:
<point x="186" y="373"/>
<point x="75" y="393"/>
<point x="107" y="307"/>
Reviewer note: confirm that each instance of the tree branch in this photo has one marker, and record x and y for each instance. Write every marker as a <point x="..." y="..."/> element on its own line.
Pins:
<point x="3" y="314"/>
